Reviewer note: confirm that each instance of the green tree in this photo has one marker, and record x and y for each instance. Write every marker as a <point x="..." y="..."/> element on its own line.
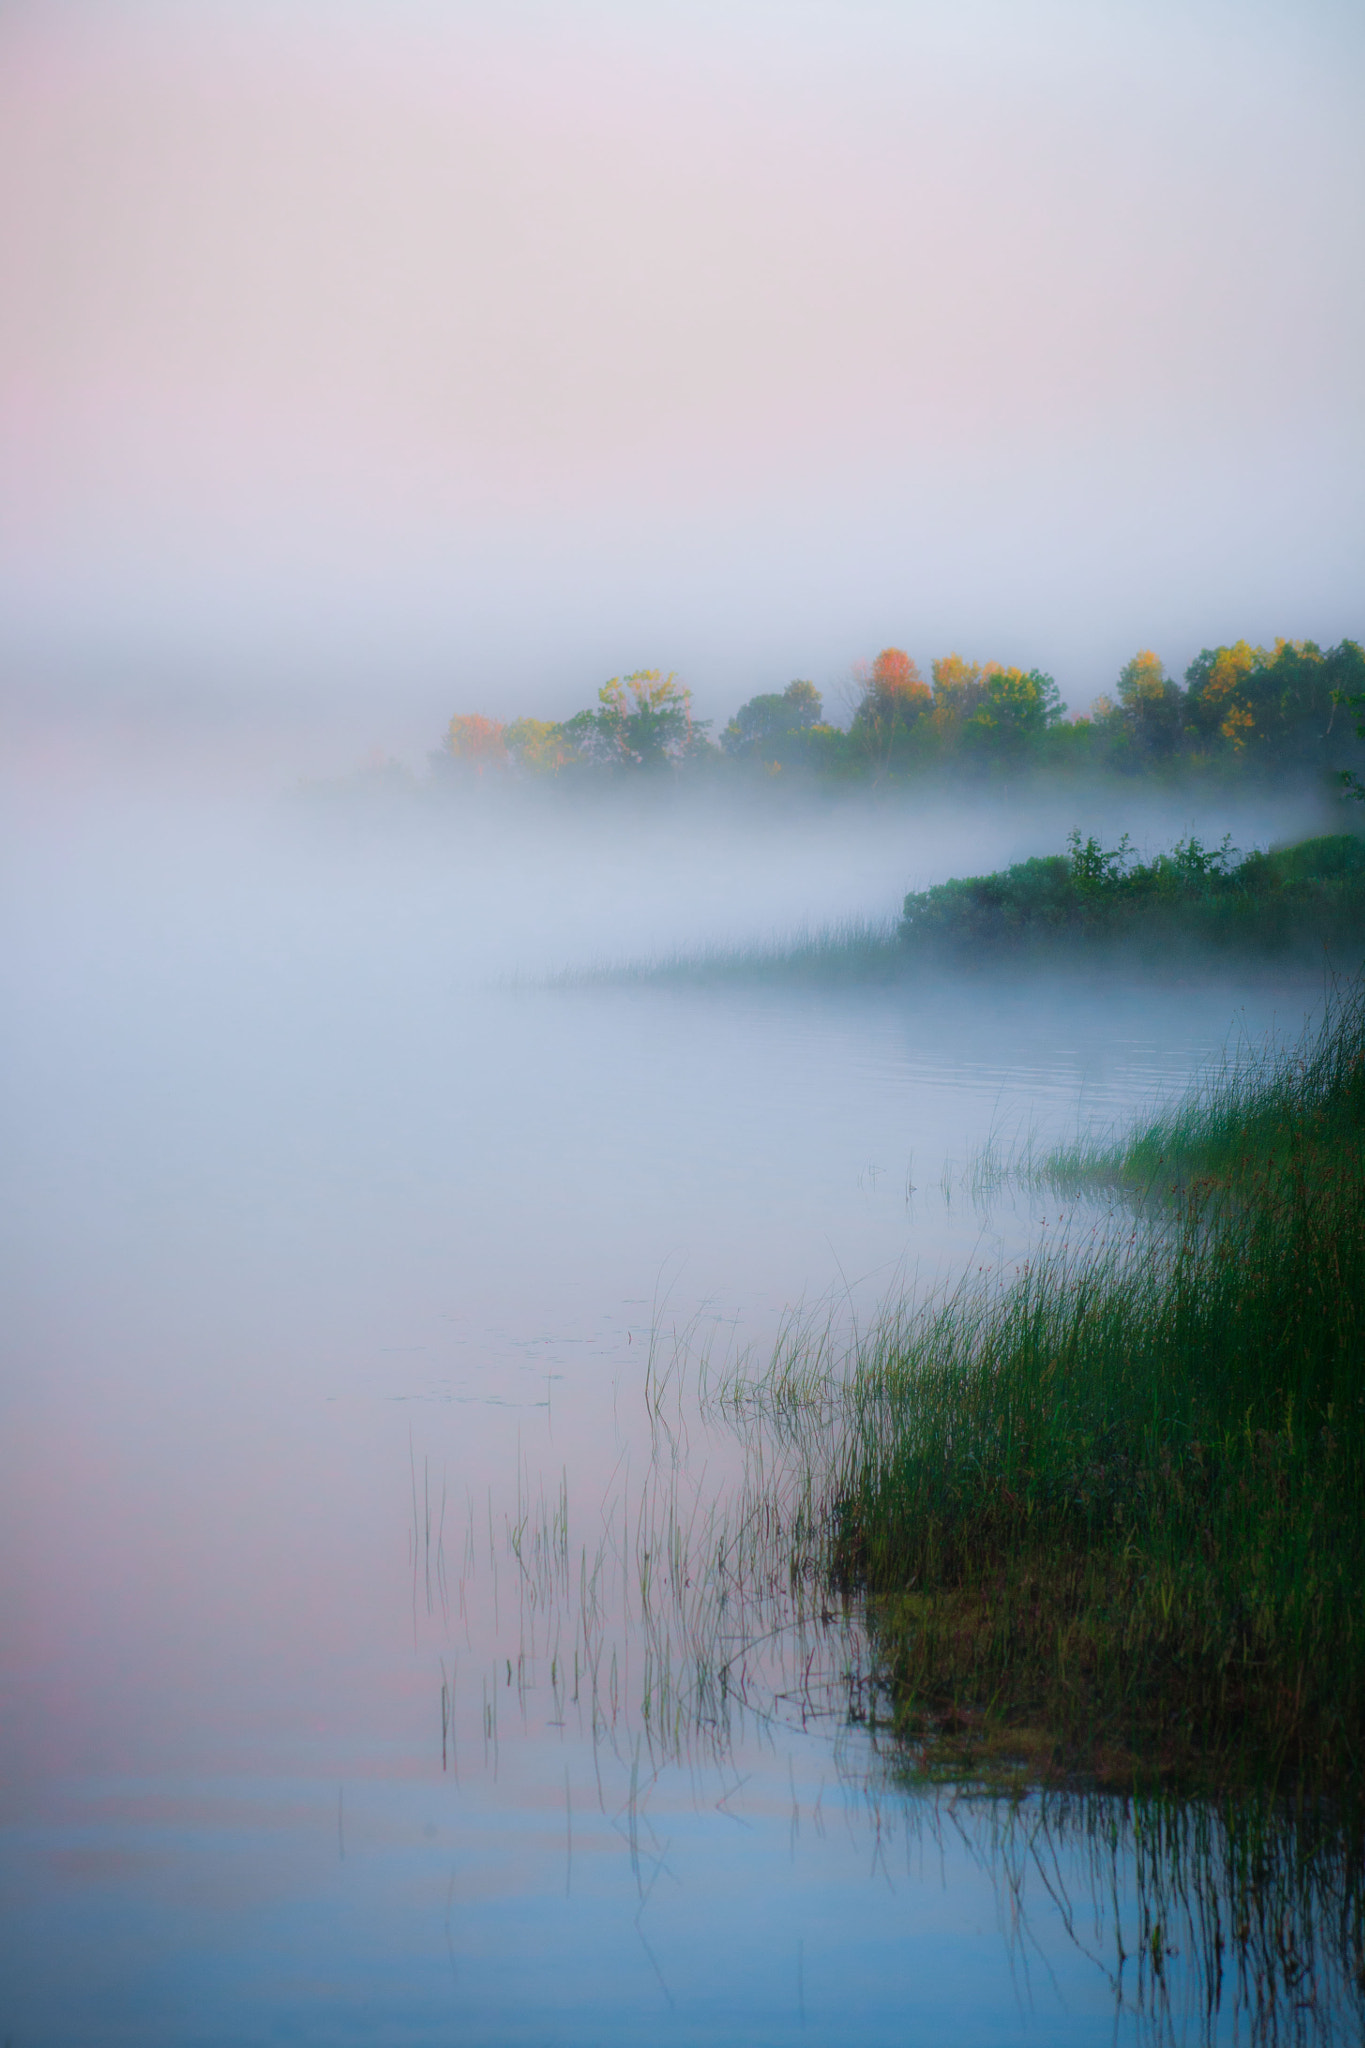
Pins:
<point x="1149" y="718"/>
<point x="775" y="726"/>
<point x="1275" y="704"/>
<point x="1220" y="696"/>
<point x="1347" y="668"/>
<point x="959" y="687"/>
<point x="642" y="722"/>
<point x="1017" y="708"/>
<point x="538" y="746"/>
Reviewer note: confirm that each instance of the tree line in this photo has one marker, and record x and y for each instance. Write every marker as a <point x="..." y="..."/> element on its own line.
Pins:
<point x="1238" y="708"/>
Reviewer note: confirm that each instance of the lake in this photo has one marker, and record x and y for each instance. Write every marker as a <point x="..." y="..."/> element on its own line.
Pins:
<point x="364" y="1670"/>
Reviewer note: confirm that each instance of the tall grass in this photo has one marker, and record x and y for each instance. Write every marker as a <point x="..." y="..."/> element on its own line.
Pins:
<point x="1108" y="1516"/>
<point x="853" y="950"/>
<point x="1272" y="1104"/>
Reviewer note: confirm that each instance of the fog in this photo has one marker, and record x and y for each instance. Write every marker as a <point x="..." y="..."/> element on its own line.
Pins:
<point x="329" y="1225"/>
<point x="366" y="1259"/>
<point x="363" y="366"/>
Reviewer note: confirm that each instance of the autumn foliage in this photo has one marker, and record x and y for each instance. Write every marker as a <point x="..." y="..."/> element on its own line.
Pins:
<point x="478" y="740"/>
<point x="1240" y="709"/>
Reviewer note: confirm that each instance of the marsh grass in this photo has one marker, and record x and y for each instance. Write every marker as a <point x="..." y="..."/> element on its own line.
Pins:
<point x="677" y="1620"/>
<point x="1268" y="1105"/>
<point x="1107" y="1515"/>
<point x="1019" y="1551"/>
<point x="1076" y="1553"/>
<point x="851" y="950"/>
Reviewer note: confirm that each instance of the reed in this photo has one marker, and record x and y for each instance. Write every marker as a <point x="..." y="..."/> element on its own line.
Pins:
<point x="1108" y="1515"/>
<point x="851" y="950"/>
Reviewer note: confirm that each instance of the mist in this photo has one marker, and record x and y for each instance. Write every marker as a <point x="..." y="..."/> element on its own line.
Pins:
<point x="334" y="1236"/>
<point x="376" y="1230"/>
<point x="451" y="360"/>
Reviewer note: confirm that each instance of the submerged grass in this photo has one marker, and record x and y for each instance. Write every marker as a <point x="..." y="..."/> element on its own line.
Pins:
<point x="1236" y="1919"/>
<point x="1108" y="1516"/>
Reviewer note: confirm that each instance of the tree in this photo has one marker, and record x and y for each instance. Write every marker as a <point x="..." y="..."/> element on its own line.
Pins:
<point x="1295" y="692"/>
<point x="1347" y="664"/>
<point x="959" y="687"/>
<point x="476" y="742"/>
<point x="1150" y="714"/>
<point x="894" y="698"/>
<point x="1218" y="680"/>
<point x="642" y="721"/>
<point x="774" y="727"/>
<point x="539" y="747"/>
<point x="1016" y="709"/>
<point x="896" y="679"/>
<point x="1276" y="702"/>
<point x="1143" y="679"/>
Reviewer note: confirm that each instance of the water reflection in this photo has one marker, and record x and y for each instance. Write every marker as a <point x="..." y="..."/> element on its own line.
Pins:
<point x="681" y="1649"/>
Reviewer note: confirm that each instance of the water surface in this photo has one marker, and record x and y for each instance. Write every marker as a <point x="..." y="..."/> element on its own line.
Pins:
<point x="346" y="1694"/>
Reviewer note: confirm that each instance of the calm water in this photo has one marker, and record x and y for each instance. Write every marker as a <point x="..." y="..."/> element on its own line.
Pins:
<point x="350" y="1684"/>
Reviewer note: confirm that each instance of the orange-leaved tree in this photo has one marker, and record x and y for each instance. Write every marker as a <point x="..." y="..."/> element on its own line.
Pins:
<point x="894" y="698"/>
<point x="477" y="741"/>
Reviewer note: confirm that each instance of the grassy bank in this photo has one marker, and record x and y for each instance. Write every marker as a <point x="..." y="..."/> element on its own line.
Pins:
<point x="1185" y="906"/>
<point x="1109" y="1516"/>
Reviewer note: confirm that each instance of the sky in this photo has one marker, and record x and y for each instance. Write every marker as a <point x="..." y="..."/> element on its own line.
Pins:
<point x="363" y="363"/>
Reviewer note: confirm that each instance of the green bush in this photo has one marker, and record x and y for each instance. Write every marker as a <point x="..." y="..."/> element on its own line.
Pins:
<point x="1312" y="893"/>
